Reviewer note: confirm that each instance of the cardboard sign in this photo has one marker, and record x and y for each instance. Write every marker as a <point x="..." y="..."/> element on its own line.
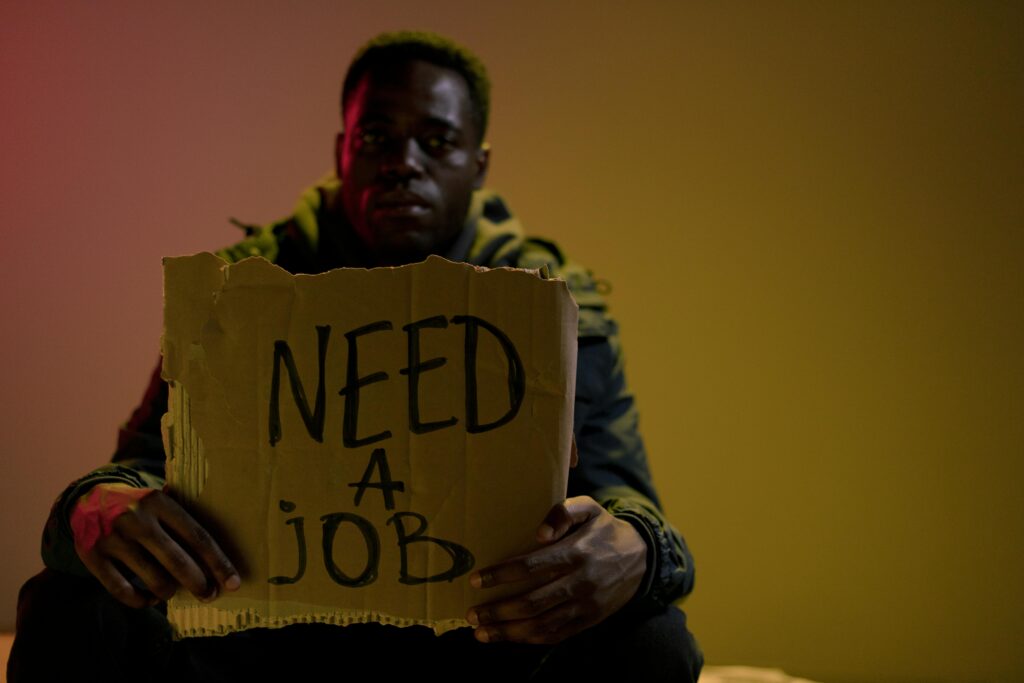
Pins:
<point x="359" y="441"/>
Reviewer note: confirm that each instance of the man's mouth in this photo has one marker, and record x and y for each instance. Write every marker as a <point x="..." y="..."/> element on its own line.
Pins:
<point x="401" y="202"/>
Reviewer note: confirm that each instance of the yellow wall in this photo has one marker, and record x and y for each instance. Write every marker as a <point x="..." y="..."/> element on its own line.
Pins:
<point x="810" y="214"/>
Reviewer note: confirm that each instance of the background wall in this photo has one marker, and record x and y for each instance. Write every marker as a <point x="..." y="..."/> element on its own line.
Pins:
<point x="810" y="214"/>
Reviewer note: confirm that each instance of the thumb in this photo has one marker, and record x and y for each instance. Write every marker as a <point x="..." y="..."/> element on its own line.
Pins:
<point x="565" y="515"/>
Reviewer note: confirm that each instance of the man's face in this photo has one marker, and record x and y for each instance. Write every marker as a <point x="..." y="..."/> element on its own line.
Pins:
<point x="409" y="160"/>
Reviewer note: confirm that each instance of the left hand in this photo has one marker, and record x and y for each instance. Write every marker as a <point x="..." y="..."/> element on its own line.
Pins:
<point x="589" y="566"/>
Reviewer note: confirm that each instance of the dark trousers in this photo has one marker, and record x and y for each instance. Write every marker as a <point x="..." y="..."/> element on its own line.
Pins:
<point x="69" y="628"/>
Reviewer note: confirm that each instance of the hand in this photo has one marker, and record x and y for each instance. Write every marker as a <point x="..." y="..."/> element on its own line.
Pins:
<point x="591" y="564"/>
<point x="116" y="525"/>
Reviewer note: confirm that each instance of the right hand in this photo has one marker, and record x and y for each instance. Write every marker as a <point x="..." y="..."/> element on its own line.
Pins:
<point x="117" y="526"/>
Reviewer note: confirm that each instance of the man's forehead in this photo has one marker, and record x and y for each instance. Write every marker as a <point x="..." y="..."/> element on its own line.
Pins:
<point x="412" y="90"/>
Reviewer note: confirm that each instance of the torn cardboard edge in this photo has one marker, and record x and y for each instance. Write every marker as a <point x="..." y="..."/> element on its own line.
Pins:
<point x="203" y="621"/>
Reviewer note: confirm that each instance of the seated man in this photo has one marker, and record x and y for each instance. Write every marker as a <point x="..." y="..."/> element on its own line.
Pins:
<point x="596" y="596"/>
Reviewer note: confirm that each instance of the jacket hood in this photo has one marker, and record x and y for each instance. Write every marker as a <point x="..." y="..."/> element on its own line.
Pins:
<point x="492" y="237"/>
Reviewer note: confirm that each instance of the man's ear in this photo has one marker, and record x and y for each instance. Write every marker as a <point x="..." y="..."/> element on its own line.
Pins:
<point x="483" y="158"/>
<point x="339" y="144"/>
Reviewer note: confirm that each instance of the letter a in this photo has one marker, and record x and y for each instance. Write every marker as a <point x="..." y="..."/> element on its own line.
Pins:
<point x="379" y="461"/>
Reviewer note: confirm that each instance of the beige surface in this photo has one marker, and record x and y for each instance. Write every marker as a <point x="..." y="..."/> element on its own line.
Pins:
<point x="746" y="674"/>
<point x="6" y="640"/>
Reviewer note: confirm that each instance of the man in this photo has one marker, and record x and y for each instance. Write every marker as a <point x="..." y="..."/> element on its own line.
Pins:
<point x="594" y="598"/>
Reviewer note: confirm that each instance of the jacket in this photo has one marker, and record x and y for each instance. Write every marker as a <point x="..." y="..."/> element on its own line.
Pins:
<point x="612" y="462"/>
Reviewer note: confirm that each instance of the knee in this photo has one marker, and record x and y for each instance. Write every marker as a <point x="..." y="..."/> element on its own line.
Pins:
<point x="663" y="640"/>
<point x="69" y="625"/>
<point x="43" y="619"/>
<point x="656" y="647"/>
<point x="50" y="595"/>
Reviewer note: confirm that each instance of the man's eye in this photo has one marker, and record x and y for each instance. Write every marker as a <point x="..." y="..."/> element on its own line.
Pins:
<point x="369" y="137"/>
<point x="437" y="143"/>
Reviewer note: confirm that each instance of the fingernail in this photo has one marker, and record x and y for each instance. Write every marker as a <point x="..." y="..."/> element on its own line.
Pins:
<point x="211" y="596"/>
<point x="472" y="618"/>
<point x="233" y="582"/>
<point x="483" y="635"/>
<point x="475" y="580"/>
<point x="545" y="532"/>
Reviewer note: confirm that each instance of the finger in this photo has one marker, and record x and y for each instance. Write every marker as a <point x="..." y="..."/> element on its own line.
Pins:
<point x="198" y="539"/>
<point x="564" y="516"/>
<point x="540" y="566"/>
<point x="134" y="557"/>
<point x="178" y="563"/>
<point x="524" y="606"/>
<point x="115" y="583"/>
<point x="549" y="628"/>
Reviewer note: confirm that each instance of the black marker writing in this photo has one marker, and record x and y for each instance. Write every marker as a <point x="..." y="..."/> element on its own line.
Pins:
<point x="415" y="368"/>
<point x="516" y="374"/>
<point x="378" y="461"/>
<point x="369" y="573"/>
<point x="462" y="559"/>
<point x="353" y="382"/>
<point x="300" y="541"/>
<point x="314" y="421"/>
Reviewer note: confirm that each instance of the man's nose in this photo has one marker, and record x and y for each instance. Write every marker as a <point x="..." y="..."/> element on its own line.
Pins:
<point x="403" y="160"/>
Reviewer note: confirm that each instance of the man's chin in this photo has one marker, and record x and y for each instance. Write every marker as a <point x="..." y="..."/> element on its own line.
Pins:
<point x="400" y="242"/>
<point x="402" y="248"/>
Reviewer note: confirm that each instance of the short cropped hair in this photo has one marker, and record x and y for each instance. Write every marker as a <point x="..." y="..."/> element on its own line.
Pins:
<point x="400" y="47"/>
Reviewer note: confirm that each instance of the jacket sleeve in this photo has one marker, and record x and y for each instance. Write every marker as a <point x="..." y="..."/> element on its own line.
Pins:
<point x="612" y="461"/>
<point x="613" y="465"/>
<point x="138" y="461"/>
